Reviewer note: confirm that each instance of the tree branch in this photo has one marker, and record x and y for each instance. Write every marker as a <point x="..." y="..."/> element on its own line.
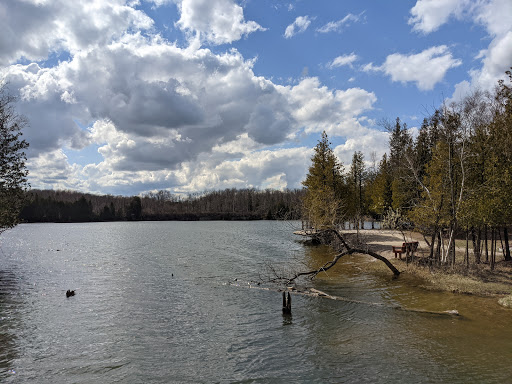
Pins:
<point x="348" y="251"/>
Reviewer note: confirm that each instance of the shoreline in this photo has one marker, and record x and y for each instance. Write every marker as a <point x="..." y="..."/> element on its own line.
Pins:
<point x="476" y="280"/>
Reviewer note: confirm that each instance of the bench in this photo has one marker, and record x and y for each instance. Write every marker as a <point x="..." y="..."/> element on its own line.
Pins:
<point x="408" y="248"/>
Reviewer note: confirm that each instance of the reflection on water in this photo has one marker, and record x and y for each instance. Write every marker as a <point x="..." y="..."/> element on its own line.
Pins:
<point x="8" y="305"/>
<point x="153" y="305"/>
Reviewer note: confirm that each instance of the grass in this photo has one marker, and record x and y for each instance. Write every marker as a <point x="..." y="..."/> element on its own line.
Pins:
<point x="473" y="279"/>
<point x="476" y="281"/>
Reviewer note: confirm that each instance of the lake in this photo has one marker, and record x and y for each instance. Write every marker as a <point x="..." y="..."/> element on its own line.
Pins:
<point x="157" y="302"/>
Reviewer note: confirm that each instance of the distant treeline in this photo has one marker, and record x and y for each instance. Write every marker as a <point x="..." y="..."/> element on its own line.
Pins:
<point x="229" y="204"/>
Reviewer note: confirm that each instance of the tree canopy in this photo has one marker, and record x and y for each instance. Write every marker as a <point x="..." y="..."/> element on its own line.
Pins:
<point x="324" y="186"/>
<point x="13" y="173"/>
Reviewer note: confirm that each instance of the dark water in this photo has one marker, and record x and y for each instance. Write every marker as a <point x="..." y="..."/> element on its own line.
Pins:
<point x="154" y="304"/>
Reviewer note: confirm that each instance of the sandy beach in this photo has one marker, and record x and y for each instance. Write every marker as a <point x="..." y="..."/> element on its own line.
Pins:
<point x="476" y="280"/>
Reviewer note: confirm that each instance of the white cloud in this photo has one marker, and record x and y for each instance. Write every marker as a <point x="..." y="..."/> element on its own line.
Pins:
<point x="300" y="25"/>
<point x="366" y="141"/>
<point x="281" y="168"/>
<point x="343" y="60"/>
<point x="33" y="29"/>
<point x="494" y="15"/>
<point x="52" y="170"/>
<point x="426" y="68"/>
<point x="318" y="108"/>
<point x="428" y="15"/>
<point x="206" y="111"/>
<point x="163" y="116"/>
<point x="370" y="67"/>
<point x="159" y="3"/>
<point x="337" y="26"/>
<point x="215" y="21"/>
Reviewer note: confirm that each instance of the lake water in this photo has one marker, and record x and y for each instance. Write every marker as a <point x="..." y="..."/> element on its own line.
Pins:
<point x="155" y="304"/>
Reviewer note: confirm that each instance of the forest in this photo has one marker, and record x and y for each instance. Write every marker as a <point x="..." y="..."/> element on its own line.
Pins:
<point x="450" y="181"/>
<point x="229" y="204"/>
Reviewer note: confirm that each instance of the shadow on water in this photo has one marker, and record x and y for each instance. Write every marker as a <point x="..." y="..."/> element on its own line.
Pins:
<point x="8" y="322"/>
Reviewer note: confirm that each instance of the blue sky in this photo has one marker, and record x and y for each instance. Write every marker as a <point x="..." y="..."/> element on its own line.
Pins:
<point x="126" y="97"/>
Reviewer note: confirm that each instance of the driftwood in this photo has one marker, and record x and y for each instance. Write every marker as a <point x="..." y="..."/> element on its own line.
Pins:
<point x="312" y="292"/>
<point x="348" y="251"/>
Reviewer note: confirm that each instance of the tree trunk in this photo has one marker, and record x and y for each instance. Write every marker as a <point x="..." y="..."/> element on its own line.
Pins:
<point x="507" y="248"/>
<point x="438" y="248"/>
<point x="466" y="253"/>
<point x="452" y="247"/>
<point x="348" y="251"/>
<point x="493" y="242"/>
<point x="501" y="242"/>
<point x="486" y="246"/>
<point x="479" y="244"/>
<point x="493" y="248"/>
<point x="432" y="245"/>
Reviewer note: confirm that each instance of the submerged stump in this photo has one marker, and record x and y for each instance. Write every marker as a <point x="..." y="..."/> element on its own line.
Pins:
<point x="287" y="304"/>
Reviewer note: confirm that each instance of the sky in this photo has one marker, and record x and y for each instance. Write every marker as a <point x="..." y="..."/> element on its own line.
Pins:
<point x="124" y="97"/>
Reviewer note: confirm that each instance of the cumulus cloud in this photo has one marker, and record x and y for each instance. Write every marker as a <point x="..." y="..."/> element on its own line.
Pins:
<point x="365" y="140"/>
<point x="428" y="15"/>
<point x="337" y="112"/>
<point x="426" y="68"/>
<point x="343" y="60"/>
<point x="300" y="25"/>
<point x="494" y="15"/>
<point x="337" y="26"/>
<point x="33" y="29"/>
<point x="281" y="168"/>
<point x="215" y="21"/>
<point x="165" y="116"/>
<point x="175" y="107"/>
<point x="52" y="170"/>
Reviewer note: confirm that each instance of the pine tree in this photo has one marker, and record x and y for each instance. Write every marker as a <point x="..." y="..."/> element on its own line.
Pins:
<point x="356" y="205"/>
<point x="324" y="187"/>
<point x="400" y="158"/>
<point x="379" y="191"/>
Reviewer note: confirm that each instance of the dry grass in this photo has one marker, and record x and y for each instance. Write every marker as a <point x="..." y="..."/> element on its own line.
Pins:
<point x="478" y="281"/>
<point x="506" y="301"/>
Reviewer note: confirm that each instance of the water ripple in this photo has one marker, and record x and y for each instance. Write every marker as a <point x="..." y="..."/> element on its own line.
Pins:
<point x="152" y="304"/>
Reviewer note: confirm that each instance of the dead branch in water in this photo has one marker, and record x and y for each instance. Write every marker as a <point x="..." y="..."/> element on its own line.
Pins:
<point x="312" y="292"/>
<point x="348" y="251"/>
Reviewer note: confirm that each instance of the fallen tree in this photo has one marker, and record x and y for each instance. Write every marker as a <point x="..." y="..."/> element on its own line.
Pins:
<point x="323" y="236"/>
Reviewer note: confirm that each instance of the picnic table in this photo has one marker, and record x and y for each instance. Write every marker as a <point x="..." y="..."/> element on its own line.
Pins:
<point x="408" y="248"/>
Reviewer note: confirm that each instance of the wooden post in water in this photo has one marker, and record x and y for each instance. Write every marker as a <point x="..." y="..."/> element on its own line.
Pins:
<point x="287" y="304"/>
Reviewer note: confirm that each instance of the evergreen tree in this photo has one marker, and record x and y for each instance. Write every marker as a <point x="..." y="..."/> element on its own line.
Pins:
<point x="324" y="187"/>
<point x="379" y="191"/>
<point x="400" y="160"/>
<point x="356" y="206"/>
<point x="134" y="211"/>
